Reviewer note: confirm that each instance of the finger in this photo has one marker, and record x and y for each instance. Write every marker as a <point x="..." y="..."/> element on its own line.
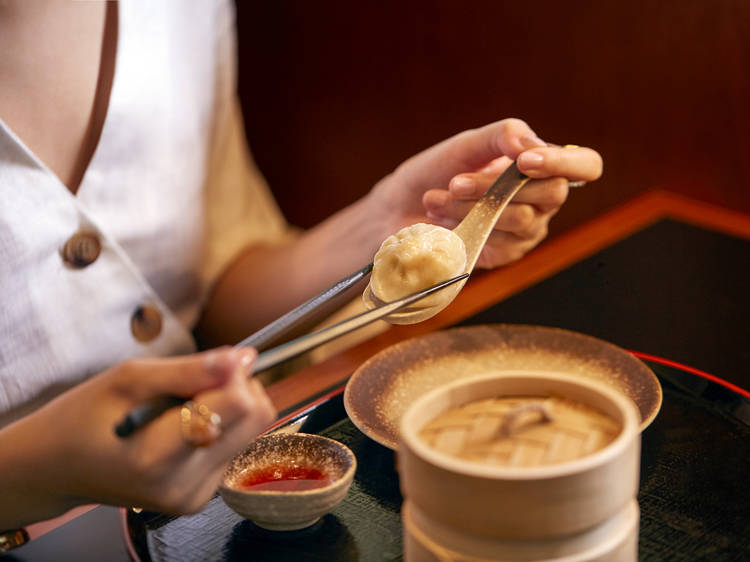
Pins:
<point x="545" y="195"/>
<point x="505" y="247"/>
<point x="509" y="137"/>
<point x="472" y="150"/>
<point x="243" y="403"/>
<point x="245" y="411"/>
<point x="471" y="186"/>
<point x="496" y="166"/>
<point x="184" y="376"/>
<point x="573" y="163"/>
<point x="519" y="218"/>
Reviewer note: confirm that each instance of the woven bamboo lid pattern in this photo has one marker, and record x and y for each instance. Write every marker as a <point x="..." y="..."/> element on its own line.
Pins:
<point x="521" y="431"/>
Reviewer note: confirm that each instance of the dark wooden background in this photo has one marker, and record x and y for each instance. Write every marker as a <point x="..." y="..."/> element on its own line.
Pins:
<point x="336" y="93"/>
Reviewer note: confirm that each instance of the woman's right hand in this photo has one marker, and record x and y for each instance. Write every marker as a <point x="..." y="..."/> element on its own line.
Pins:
<point x="66" y="453"/>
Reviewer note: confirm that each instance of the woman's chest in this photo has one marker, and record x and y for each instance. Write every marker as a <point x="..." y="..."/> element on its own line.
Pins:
<point x="53" y="92"/>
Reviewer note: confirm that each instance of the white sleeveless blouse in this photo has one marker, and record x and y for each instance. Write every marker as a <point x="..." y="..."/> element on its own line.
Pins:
<point x="171" y="193"/>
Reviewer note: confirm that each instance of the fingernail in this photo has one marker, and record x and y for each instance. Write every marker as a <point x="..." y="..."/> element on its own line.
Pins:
<point x="530" y="161"/>
<point x="463" y="186"/>
<point x="532" y="141"/>
<point x="247" y="359"/>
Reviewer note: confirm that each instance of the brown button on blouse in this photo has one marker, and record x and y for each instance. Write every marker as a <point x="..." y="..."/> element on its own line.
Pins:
<point x="145" y="323"/>
<point x="81" y="249"/>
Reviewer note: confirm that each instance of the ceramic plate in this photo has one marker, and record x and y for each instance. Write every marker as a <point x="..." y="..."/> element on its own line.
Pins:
<point x="381" y="390"/>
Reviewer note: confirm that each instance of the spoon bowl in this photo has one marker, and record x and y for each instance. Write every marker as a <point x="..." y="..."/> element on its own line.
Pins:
<point x="415" y="312"/>
<point x="474" y="230"/>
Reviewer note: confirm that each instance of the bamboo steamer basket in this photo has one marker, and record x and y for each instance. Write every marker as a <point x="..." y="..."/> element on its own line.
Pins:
<point x="614" y="540"/>
<point x="528" y="502"/>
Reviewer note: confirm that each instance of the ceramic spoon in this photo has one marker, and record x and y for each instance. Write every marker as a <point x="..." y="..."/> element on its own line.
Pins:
<point x="474" y="230"/>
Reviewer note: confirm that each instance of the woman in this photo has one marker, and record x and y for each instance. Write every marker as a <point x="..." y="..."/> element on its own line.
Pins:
<point x="132" y="215"/>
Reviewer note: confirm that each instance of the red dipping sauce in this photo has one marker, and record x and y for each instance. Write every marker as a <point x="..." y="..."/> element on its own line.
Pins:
<point x="283" y="478"/>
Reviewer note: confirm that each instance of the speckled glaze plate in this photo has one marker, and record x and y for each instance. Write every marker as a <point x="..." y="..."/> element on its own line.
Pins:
<point x="380" y="391"/>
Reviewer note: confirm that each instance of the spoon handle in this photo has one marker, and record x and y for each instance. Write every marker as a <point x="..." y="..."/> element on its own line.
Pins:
<point x="479" y="222"/>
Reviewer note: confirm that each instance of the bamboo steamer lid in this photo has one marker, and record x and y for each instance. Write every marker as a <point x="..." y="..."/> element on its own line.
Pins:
<point x="540" y="479"/>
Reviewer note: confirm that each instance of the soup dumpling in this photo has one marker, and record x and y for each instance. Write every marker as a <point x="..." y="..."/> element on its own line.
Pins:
<point x="417" y="257"/>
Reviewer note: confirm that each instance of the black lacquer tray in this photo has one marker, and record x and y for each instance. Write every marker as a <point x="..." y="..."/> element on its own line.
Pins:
<point x="693" y="495"/>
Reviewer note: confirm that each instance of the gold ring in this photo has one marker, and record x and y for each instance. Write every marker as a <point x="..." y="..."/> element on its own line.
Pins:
<point x="200" y="425"/>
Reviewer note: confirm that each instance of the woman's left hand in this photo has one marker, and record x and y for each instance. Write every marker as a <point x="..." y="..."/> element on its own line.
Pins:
<point x="442" y="183"/>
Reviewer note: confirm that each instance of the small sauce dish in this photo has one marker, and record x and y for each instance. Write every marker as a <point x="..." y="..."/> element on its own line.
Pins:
<point x="287" y="481"/>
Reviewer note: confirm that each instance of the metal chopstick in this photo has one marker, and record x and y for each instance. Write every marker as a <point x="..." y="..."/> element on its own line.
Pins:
<point x="288" y="321"/>
<point x="142" y="415"/>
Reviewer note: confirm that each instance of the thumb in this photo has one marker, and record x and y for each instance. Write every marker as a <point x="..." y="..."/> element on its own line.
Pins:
<point x="471" y="150"/>
<point x="184" y="376"/>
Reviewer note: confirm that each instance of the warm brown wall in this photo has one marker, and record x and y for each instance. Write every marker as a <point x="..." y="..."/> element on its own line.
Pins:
<point x="336" y="93"/>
